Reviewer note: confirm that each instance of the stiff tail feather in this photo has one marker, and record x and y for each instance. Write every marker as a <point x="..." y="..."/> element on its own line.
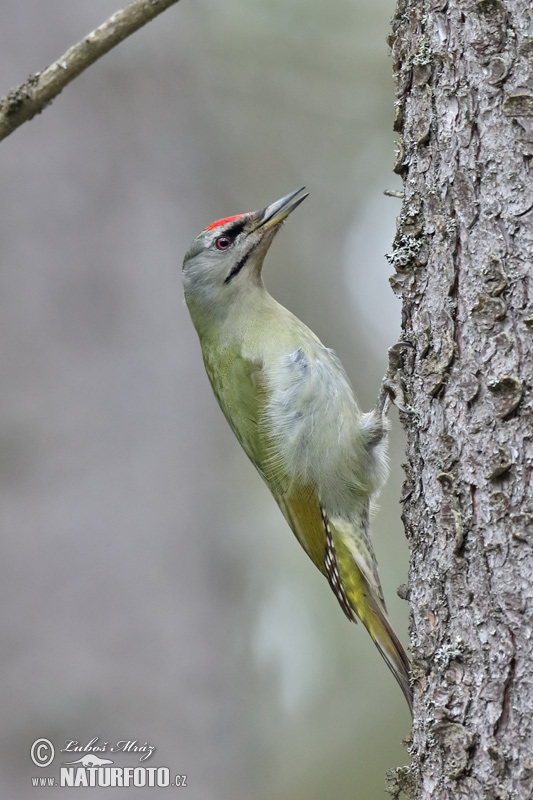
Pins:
<point x="361" y="592"/>
<point x="392" y="651"/>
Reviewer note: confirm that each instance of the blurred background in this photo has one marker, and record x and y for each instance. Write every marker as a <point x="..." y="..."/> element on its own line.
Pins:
<point x="150" y="589"/>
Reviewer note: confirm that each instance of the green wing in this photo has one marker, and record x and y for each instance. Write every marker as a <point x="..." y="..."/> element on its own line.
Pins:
<point x="237" y="385"/>
<point x="239" y="388"/>
<point x="302" y="511"/>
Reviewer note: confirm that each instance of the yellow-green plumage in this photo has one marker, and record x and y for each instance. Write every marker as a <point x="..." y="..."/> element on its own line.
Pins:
<point x="291" y="406"/>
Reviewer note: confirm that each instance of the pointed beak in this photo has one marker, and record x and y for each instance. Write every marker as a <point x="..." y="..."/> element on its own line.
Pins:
<point x="276" y="212"/>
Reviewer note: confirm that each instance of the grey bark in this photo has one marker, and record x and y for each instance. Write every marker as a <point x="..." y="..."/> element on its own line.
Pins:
<point x="465" y="110"/>
<point x="463" y="269"/>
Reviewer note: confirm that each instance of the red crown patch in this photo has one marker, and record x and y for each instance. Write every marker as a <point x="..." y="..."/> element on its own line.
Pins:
<point x="220" y="222"/>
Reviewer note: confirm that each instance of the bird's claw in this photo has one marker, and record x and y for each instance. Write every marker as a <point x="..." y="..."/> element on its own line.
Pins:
<point x="391" y="386"/>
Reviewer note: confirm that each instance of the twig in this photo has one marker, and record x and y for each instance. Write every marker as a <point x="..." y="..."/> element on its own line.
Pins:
<point x="29" y="99"/>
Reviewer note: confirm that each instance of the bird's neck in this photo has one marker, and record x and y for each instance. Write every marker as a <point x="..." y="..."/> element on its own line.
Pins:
<point x="242" y="310"/>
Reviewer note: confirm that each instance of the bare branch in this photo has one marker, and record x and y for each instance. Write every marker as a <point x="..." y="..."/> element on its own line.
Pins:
<point x="25" y="101"/>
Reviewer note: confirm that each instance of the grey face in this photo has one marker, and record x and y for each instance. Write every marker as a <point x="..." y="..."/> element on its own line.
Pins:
<point x="219" y="248"/>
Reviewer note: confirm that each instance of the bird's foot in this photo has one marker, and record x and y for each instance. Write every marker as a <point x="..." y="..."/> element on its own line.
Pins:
<point x="392" y="390"/>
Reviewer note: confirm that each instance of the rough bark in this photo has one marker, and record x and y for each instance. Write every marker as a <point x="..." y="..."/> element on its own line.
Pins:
<point x="463" y="269"/>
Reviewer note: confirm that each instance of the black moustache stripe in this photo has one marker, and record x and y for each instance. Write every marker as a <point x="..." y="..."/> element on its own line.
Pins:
<point x="240" y="263"/>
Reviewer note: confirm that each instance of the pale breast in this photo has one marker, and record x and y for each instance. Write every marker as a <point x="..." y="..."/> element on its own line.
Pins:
<point x="317" y="430"/>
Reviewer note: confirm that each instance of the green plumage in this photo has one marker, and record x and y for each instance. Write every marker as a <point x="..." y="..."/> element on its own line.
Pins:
<point x="292" y="408"/>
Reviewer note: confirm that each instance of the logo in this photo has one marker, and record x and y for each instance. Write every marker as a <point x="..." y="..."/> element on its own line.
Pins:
<point x="91" y="769"/>
<point x="89" y="761"/>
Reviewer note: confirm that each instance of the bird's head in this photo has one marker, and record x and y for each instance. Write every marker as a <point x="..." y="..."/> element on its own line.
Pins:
<point x="226" y="258"/>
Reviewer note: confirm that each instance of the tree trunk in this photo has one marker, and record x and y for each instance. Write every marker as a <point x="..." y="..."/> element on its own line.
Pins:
<point x="463" y="73"/>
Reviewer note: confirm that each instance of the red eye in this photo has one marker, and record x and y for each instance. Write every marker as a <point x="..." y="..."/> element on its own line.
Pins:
<point x="223" y="242"/>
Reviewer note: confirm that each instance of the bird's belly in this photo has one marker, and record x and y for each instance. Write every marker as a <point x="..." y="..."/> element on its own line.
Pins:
<point x="314" y="425"/>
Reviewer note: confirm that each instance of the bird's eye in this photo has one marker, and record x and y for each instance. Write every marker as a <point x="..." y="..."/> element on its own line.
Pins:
<point x="223" y="242"/>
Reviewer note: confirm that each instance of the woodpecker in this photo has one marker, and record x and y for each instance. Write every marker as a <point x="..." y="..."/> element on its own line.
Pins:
<point x="291" y="406"/>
